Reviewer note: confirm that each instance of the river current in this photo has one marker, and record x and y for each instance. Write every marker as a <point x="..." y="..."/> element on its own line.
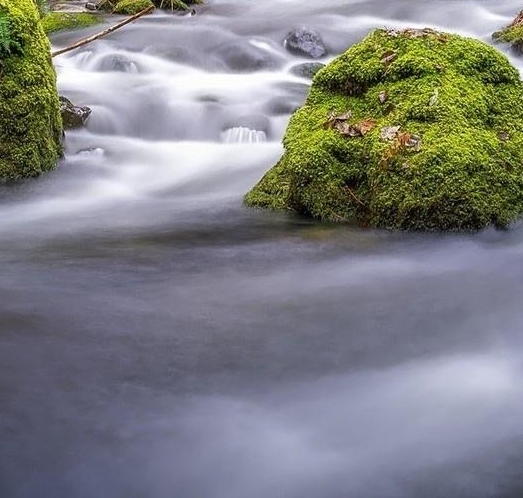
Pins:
<point x="158" y="339"/>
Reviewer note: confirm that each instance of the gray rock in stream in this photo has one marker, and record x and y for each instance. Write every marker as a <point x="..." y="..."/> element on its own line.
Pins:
<point x="238" y="55"/>
<point x="306" y="42"/>
<point x="73" y="116"/>
<point x="117" y="62"/>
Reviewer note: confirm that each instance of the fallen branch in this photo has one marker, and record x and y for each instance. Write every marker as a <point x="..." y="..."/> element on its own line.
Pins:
<point x="89" y="39"/>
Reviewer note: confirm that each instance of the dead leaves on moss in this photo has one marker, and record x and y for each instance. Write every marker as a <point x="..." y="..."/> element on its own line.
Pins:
<point x="401" y="138"/>
<point x="344" y="127"/>
<point x="399" y="142"/>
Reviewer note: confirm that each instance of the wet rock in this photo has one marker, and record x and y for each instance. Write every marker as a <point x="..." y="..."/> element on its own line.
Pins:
<point x="305" y="42"/>
<point x="244" y="56"/>
<point x="117" y="62"/>
<point x="307" y="69"/>
<point x="279" y="106"/>
<point x="289" y="96"/>
<point x="73" y="116"/>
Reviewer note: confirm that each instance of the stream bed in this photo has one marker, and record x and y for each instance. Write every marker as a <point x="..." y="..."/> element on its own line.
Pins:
<point x="158" y="339"/>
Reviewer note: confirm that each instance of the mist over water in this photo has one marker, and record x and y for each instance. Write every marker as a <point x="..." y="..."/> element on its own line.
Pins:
<point x="158" y="339"/>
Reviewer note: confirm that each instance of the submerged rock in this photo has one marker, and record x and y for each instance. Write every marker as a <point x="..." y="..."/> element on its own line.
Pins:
<point x="307" y="69"/>
<point x="30" y="124"/>
<point x="117" y="62"/>
<point x="73" y="116"/>
<point x="305" y="42"/>
<point x="239" y="55"/>
<point x="410" y="129"/>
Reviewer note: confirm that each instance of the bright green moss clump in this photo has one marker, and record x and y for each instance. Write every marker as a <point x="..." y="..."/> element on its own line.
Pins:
<point x="131" y="7"/>
<point x="30" y="124"/>
<point x="55" y="21"/>
<point x="409" y="129"/>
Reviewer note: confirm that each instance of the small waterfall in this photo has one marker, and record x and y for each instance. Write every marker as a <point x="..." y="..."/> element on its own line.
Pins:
<point x="243" y="135"/>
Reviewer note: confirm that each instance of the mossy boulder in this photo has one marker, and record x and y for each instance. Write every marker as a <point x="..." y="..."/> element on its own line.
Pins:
<point x="410" y="129"/>
<point x="56" y="21"/>
<point x="30" y="123"/>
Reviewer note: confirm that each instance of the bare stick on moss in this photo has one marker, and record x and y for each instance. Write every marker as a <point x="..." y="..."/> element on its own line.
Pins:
<point x="90" y="39"/>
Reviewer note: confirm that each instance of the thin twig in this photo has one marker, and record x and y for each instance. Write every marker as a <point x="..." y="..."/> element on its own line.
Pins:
<point x="90" y="39"/>
<point x="355" y="197"/>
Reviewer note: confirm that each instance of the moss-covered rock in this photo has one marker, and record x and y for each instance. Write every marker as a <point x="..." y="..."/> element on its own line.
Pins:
<point x="30" y="124"/>
<point x="55" y="21"/>
<point x="513" y="33"/>
<point x="411" y="129"/>
<point x="131" y="7"/>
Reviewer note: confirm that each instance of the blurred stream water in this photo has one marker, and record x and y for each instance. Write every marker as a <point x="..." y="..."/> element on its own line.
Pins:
<point x="158" y="339"/>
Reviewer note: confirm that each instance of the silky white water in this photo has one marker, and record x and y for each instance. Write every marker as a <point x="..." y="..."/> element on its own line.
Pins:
<point x="159" y="339"/>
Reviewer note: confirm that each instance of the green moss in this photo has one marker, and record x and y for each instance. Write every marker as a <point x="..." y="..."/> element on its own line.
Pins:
<point x="131" y="7"/>
<point x="176" y="4"/>
<point x="510" y="34"/>
<point x="30" y="124"/>
<point x="456" y="161"/>
<point x="55" y="21"/>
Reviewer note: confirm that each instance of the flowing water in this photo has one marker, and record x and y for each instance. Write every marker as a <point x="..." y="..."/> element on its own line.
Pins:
<point x="158" y="339"/>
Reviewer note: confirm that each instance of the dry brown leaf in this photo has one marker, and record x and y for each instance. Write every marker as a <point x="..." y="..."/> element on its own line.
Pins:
<point x="388" y="57"/>
<point x="365" y="126"/>
<point x="347" y="129"/>
<point x="333" y="119"/>
<point x="389" y="132"/>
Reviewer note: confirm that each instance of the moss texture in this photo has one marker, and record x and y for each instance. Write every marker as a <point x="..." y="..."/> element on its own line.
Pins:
<point x="176" y="4"/>
<point x="454" y="163"/>
<point x="55" y="21"/>
<point x="30" y="123"/>
<point x="131" y="7"/>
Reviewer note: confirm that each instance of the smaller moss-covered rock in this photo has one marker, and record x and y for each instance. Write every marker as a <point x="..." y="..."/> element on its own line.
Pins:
<point x="56" y="21"/>
<point x="412" y="129"/>
<point x="131" y="7"/>
<point x="512" y="34"/>
<point x="307" y="69"/>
